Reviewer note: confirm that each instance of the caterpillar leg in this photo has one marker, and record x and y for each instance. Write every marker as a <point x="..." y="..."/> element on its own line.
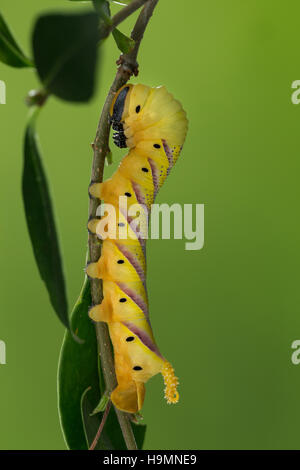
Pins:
<point x="92" y="225"/>
<point x="129" y="397"/>
<point x="94" y="190"/>
<point x="92" y="270"/>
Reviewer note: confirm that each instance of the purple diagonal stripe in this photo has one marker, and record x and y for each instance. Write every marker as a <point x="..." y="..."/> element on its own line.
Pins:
<point x="133" y="261"/>
<point x="138" y="193"/>
<point x="135" y="297"/>
<point x="155" y="176"/>
<point x="145" y="339"/>
<point x="169" y="154"/>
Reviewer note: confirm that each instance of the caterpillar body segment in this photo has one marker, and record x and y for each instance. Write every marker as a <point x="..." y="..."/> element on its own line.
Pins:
<point x="153" y="125"/>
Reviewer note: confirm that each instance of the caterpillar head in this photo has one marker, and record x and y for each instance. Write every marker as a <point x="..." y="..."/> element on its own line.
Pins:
<point x="117" y="112"/>
<point x="127" y="104"/>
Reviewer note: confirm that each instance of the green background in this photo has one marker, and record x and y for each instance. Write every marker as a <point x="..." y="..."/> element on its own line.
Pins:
<point x="225" y="316"/>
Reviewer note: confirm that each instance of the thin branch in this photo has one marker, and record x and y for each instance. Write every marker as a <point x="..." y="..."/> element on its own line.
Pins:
<point x="130" y="60"/>
<point x="121" y="16"/>
<point x="128" y="66"/>
<point x="126" y="11"/>
<point x="103" y="421"/>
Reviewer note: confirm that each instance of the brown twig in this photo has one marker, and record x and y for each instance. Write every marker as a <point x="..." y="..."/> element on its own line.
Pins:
<point x="126" y="11"/>
<point x="103" y="421"/>
<point x="127" y="66"/>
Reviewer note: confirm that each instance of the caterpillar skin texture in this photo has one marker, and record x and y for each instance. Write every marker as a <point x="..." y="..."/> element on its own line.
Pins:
<point x="153" y="125"/>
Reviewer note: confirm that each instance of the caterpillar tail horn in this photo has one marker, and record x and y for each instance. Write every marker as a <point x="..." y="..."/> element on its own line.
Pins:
<point x="171" y="382"/>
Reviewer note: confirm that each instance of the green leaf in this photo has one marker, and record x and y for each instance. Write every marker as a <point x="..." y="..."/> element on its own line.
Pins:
<point x="65" y="48"/>
<point x="80" y="388"/>
<point x="103" y="8"/>
<point x="124" y="43"/>
<point x="41" y="223"/>
<point x="10" y="52"/>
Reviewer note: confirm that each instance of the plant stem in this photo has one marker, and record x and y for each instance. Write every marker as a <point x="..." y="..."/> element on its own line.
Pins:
<point x="121" y="16"/>
<point x="128" y="66"/>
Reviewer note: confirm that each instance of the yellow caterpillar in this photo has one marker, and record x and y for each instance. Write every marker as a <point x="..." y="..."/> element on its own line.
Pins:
<point x="153" y="125"/>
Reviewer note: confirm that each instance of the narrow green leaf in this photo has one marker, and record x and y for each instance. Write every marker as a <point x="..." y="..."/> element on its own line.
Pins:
<point x="10" y="52"/>
<point x="74" y="371"/>
<point x="65" y="48"/>
<point x="103" y="8"/>
<point x="124" y="43"/>
<point x="80" y="389"/>
<point x="90" y="426"/>
<point x="41" y="223"/>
